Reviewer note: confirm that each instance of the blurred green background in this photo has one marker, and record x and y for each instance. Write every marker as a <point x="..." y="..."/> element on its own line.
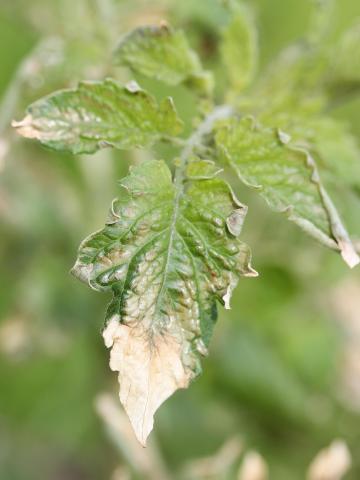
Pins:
<point x="283" y="375"/>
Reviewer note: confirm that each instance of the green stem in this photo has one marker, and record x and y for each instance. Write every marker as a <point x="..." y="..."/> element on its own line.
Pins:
<point x="219" y="113"/>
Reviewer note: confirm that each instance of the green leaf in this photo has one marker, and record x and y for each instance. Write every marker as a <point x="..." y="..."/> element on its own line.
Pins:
<point x="330" y="141"/>
<point x="202" y="169"/>
<point x="239" y="49"/>
<point x="164" y="54"/>
<point x="293" y="84"/>
<point x="344" y="75"/>
<point x="97" y="115"/>
<point x="167" y="255"/>
<point x="321" y="21"/>
<point x="287" y="178"/>
<point x="335" y="147"/>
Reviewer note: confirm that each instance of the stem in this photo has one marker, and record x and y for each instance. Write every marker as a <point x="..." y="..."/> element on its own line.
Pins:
<point x="219" y="113"/>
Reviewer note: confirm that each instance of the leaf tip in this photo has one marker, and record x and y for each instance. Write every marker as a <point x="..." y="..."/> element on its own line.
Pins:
<point x="25" y="127"/>
<point x="133" y="86"/>
<point x="349" y="254"/>
<point x="235" y="220"/>
<point x="109" y="331"/>
<point x="227" y="297"/>
<point x="150" y="371"/>
<point x="82" y="271"/>
<point x="252" y="272"/>
<point x="284" y="137"/>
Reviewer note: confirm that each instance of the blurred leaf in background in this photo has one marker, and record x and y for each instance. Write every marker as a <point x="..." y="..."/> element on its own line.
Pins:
<point x="283" y="377"/>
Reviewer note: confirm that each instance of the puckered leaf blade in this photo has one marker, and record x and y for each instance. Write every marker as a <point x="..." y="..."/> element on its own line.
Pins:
<point x="239" y="49"/>
<point x="166" y="257"/>
<point x="97" y="115"/>
<point x="287" y="178"/>
<point x="163" y="53"/>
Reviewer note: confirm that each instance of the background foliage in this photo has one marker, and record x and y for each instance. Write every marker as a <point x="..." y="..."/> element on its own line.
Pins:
<point x="284" y="369"/>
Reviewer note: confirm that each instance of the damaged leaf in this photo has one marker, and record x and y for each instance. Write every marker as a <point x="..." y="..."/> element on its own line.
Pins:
<point x="97" y="115"/>
<point x="163" y="53"/>
<point x="166" y="254"/>
<point x="287" y="178"/>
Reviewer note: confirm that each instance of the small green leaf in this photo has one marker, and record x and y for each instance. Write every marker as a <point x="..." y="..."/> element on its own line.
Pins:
<point x="321" y="21"/>
<point x="344" y="75"/>
<point x="97" y="115"/>
<point x="240" y="50"/>
<point x="166" y="255"/>
<point x="287" y="178"/>
<point x="202" y="169"/>
<point x="164" y="54"/>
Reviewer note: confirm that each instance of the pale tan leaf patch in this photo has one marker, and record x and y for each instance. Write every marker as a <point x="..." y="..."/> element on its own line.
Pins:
<point x="25" y="128"/>
<point x="150" y="371"/>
